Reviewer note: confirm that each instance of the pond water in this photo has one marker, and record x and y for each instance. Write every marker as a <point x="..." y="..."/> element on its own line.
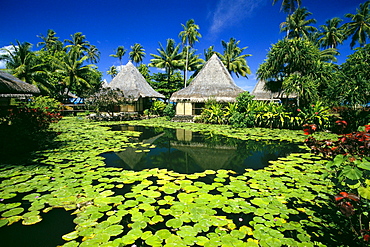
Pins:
<point x="185" y="151"/>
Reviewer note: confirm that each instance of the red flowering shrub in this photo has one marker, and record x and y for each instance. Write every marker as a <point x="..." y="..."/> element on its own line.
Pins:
<point x="31" y="120"/>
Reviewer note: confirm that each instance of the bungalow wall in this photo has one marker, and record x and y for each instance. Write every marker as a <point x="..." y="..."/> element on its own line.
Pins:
<point x="189" y="109"/>
<point x="137" y="106"/>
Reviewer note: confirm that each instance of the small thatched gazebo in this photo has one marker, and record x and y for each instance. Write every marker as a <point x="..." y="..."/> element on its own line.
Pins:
<point x="134" y="87"/>
<point x="212" y="82"/>
<point x="12" y="87"/>
<point x="260" y="93"/>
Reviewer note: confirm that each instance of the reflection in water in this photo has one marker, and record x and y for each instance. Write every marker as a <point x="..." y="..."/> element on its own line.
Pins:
<point x="188" y="152"/>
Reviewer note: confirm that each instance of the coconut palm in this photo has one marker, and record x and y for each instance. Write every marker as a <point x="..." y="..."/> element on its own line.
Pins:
<point x="189" y="36"/>
<point x="233" y="59"/>
<point x="120" y="52"/>
<point x="359" y="26"/>
<point x="331" y="34"/>
<point x="50" y="41"/>
<point x="73" y="71"/>
<point x="93" y="54"/>
<point x="169" y="58"/>
<point x="24" y="64"/>
<point x="78" y="40"/>
<point x="195" y="63"/>
<point x="209" y="52"/>
<point x="297" y="25"/>
<point x="137" y="54"/>
<point x="112" y="71"/>
<point x="289" y="6"/>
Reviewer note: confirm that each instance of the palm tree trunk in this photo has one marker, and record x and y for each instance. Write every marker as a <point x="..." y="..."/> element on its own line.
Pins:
<point x="186" y="65"/>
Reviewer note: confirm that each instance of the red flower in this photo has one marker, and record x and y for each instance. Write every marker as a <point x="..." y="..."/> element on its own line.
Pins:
<point x="316" y="113"/>
<point x="367" y="128"/>
<point x="46" y="108"/>
<point x="367" y="237"/>
<point x="298" y="109"/>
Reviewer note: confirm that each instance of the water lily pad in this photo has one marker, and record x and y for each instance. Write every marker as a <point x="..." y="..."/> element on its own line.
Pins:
<point x="12" y="212"/>
<point x="174" y="223"/>
<point x="31" y="220"/>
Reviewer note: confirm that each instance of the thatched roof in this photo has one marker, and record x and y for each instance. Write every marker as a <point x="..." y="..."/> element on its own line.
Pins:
<point x="133" y="84"/>
<point x="260" y="93"/>
<point x="213" y="81"/>
<point x="11" y="86"/>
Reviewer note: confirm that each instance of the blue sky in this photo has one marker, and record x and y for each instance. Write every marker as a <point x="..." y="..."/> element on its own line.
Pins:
<point x="109" y="24"/>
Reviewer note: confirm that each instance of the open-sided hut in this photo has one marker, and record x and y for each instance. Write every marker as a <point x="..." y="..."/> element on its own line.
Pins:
<point x="136" y="90"/>
<point x="212" y="82"/>
<point x="261" y="93"/>
<point x="12" y="87"/>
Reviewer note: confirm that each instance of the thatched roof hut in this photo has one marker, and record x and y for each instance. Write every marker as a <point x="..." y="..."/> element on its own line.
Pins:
<point x="260" y="93"/>
<point x="133" y="84"/>
<point x="213" y="81"/>
<point x="12" y="87"/>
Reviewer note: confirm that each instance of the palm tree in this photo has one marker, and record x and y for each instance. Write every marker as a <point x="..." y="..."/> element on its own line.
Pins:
<point x="297" y="26"/>
<point x="209" y="52"/>
<point x="93" y="54"/>
<point x="137" y="54"/>
<point x="74" y="74"/>
<point x="331" y="34"/>
<point x="359" y="26"/>
<point x="120" y="52"/>
<point x="195" y="63"/>
<point x="189" y="36"/>
<point x="288" y="6"/>
<point x="49" y="41"/>
<point x="169" y="58"/>
<point x="23" y="64"/>
<point x="112" y="71"/>
<point x="233" y="59"/>
<point x="297" y="66"/>
<point x="78" y="40"/>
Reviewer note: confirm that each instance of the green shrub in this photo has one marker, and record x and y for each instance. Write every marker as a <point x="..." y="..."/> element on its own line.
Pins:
<point x="169" y="111"/>
<point x="157" y="108"/>
<point x="44" y="103"/>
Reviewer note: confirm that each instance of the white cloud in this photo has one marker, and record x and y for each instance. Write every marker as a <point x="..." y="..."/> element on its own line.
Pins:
<point x="229" y="13"/>
<point x="4" y="52"/>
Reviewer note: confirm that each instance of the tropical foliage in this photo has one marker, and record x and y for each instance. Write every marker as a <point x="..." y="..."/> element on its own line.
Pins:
<point x="297" y="66"/>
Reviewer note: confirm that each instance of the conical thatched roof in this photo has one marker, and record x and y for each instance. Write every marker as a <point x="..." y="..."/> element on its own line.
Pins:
<point x="213" y="81"/>
<point x="11" y="86"/>
<point x="260" y="93"/>
<point x="133" y="84"/>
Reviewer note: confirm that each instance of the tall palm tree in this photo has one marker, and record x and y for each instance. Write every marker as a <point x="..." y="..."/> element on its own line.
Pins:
<point x="169" y="58"/>
<point x="297" y="25"/>
<point x="195" y="63"/>
<point x="73" y="71"/>
<point x="93" y="54"/>
<point x="189" y="36"/>
<point x="359" y="26"/>
<point x="233" y="59"/>
<point x="112" y="71"/>
<point x="49" y="41"/>
<point x="120" y="52"/>
<point x="137" y="54"/>
<point x="289" y="6"/>
<point x="23" y="64"/>
<point x="78" y="40"/>
<point x="331" y="34"/>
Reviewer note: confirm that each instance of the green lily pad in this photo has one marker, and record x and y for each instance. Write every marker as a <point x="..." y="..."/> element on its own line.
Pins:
<point x="12" y="212"/>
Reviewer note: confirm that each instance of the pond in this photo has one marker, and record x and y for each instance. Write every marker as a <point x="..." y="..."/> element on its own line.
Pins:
<point x="185" y="151"/>
<point x="98" y="185"/>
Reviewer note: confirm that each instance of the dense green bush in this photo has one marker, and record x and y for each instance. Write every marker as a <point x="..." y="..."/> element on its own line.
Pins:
<point x="169" y="111"/>
<point x="348" y="167"/>
<point x="44" y="103"/>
